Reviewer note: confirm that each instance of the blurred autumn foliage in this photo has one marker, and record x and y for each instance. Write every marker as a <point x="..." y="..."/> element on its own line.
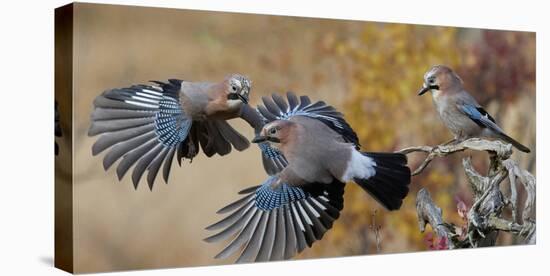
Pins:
<point x="369" y="71"/>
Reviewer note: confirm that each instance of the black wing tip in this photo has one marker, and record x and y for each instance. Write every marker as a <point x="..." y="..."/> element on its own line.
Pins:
<point x="223" y="210"/>
<point x="136" y="184"/>
<point x="208" y="239"/>
<point x="210" y="228"/>
<point x="119" y="175"/>
<point x="158" y="82"/>
<point x="106" y="165"/>
<point x="175" y="81"/>
<point x="95" y="150"/>
<point x="248" y="190"/>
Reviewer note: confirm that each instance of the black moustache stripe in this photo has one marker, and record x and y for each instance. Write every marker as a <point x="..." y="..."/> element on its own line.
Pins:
<point x="242" y="98"/>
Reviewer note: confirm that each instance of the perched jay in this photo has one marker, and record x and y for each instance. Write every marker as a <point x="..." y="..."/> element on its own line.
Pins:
<point x="146" y="125"/>
<point x="459" y="111"/>
<point x="295" y="206"/>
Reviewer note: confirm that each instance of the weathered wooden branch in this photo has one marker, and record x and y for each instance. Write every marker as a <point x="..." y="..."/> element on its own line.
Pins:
<point x="485" y="216"/>
<point x="429" y="213"/>
<point x="499" y="148"/>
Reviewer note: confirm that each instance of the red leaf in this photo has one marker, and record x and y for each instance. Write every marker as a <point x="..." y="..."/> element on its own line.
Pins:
<point x="442" y="244"/>
<point x="436" y="243"/>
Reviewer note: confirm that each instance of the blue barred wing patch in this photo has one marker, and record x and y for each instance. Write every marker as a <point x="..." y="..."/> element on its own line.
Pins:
<point x="142" y="125"/>
<point x="268" y="198"/>
<point x="480" y="116"/>
<point x="171" y="124"/>
<point x="276" y="224"/>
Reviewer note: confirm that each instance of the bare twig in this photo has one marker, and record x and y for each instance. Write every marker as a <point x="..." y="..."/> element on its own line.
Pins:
<point x="376" y="229"/>
<point x="500" y="149"/>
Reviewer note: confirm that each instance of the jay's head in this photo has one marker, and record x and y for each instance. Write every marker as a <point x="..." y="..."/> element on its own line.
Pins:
<point x="237" y="87"/>
<point x="440" y="78"/>
<point x="277" y="132"/>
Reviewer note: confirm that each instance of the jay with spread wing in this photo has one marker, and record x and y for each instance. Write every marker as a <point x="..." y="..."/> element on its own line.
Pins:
<point x="459" y="111"/>
<point x="146" y="125"/>
<point x="309" y="152"/>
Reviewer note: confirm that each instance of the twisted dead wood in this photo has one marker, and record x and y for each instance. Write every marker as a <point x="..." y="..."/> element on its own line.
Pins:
<point x="485" y="216"/>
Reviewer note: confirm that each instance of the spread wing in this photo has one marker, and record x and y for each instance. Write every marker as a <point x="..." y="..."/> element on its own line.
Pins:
<point x="279" y="108"/>
<point x="143" y="125"/>
<point x="276" y="223"/>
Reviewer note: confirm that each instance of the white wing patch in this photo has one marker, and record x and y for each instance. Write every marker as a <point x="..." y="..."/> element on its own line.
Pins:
<point x="318" y="204"/>
<point x="146" y="98"/>
<point x="311" y="209"/>
<point x="152" y="92"/>
<point x="140" y="104"/>
<point x="297" y="218"/>
<point x="308" y="220"/>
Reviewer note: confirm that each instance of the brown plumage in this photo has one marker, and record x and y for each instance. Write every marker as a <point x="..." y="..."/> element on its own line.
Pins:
<point x="146" y="125"/>
<point x="298" y="203"/>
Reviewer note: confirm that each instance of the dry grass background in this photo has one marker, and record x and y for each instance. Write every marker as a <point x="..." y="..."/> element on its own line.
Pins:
<point x="117" y="227"/>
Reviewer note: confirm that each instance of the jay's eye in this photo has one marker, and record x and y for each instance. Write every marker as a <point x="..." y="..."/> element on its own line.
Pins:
<point x="273" y="131"/>
<point x="432" y="80"/>
<point x="234" y="88"/>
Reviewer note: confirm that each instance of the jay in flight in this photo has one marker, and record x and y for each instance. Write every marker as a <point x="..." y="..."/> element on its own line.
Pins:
<point x="146" y="125"/>
<point x="459" y="111"/>
<point x="309" y="152"/>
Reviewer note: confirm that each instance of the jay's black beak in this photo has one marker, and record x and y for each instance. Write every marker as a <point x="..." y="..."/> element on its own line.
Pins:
<point x="243" y="98"/>
<point x="259" y="139"/>
<point x="237" y="96"/>
<point x="427" y="88"/>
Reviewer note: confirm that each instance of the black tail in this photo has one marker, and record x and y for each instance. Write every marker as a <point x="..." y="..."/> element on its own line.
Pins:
<point x="390" y="185"/>
<point x="515" y="143"/>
